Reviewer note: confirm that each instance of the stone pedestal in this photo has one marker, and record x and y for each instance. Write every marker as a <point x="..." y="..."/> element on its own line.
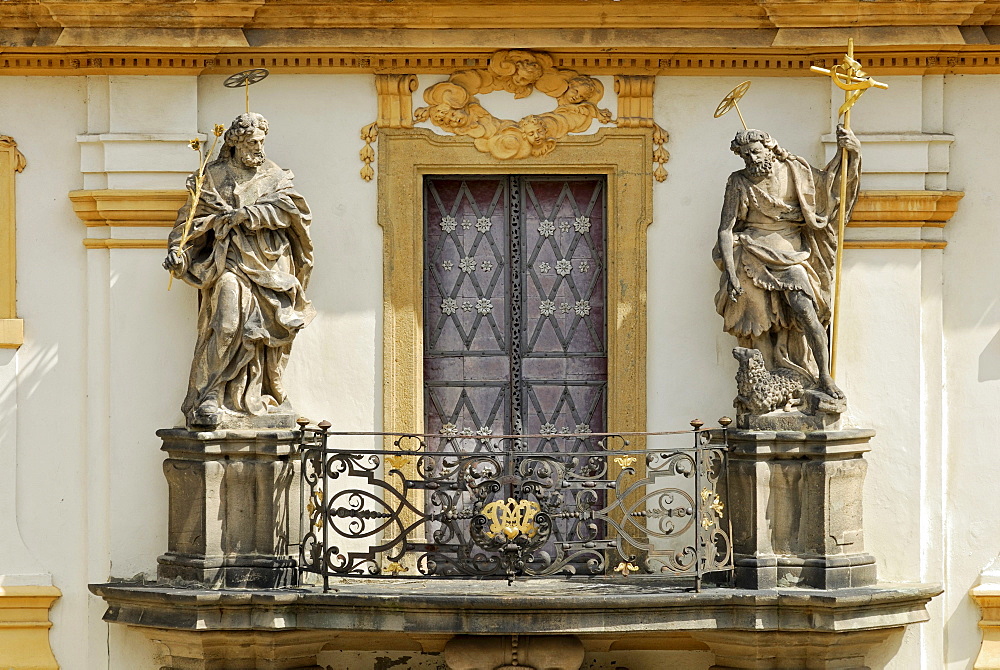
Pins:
<point x="796" y="505"/>
<point x="233" y="508"/>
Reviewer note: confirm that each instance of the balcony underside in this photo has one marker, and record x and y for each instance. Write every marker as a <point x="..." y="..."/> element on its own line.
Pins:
<point x="604" y="613"/>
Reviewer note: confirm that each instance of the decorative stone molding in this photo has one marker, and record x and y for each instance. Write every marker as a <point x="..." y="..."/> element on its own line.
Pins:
<point x="395" y="99"/>
<point x="125" y="208"/>
<point x="453" y="107"/>
<point x="24" y="627"/>
<point x="406" y="155"/>
<point x="528" y="652"/>
<point x="605" y="614"/>
<point x="421" y="53"/>
<point x="909" y="219"/>
<point x="122" y="243"/>
<point x="12" y="161"/>
<point x="770" y="650"/>
<point x="395" y="110"/>
<point x="905" y="160"/>
<point x="128" y="207"/>
<point x="270" y="650"/>
<point x="987" y="597"/>
<point x="635" y="110"/>
<point x="905" y="209"/>
<point x="233" y="15"/>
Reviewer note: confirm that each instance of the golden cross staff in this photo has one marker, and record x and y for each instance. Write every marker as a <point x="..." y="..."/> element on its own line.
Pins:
<point x="849" y="77"/>
<point x="244" y="79"/>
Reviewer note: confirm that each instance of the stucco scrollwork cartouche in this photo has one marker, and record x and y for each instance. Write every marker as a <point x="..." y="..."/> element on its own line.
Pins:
<point x="248" y="251"/>
<point x="776" y="248"/>
<point x="452" y="105"/>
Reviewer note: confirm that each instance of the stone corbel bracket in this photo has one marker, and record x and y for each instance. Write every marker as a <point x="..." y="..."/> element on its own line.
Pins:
<point x="395" y="110"/>
<point x="635" y="110"/>
<point x="12" y="161"/>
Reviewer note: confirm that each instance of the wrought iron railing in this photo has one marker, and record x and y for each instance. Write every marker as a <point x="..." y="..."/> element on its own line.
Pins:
<point x="391" y="505"/>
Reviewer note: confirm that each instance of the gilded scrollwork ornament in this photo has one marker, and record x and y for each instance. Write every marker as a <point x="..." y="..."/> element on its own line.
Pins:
<point x="452" y="105"/>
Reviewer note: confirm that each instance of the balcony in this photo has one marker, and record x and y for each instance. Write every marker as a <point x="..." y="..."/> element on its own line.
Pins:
<point x="491" y="548"/>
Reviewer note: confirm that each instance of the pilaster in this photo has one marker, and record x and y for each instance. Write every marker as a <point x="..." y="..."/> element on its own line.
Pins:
<point x="134" y="159"/>
<point x="891" y="360"/>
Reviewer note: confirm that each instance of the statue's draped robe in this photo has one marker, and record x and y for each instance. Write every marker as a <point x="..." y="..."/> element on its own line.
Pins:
<point x="252" y="279"/>
<point x="795" y="251"/>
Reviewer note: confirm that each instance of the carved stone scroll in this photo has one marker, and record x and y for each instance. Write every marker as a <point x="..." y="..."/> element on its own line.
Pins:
<point x="452" y="105"/>
<point x="395" y="110"/>
<point x="395" y="105"/>
<point x="635" y="110"/>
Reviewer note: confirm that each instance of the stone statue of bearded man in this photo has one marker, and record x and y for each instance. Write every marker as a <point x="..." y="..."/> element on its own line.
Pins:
<point x="776" y="248"/>
<point x="249" y="254"/>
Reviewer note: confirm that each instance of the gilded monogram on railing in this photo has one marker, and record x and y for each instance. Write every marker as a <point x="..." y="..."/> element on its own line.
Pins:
<point x="452" y="105"/>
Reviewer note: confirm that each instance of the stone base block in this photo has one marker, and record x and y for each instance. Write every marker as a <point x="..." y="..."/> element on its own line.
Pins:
<point x="238" y="572"/>
<point x="839" y="572"/>
<point x="498" y="652"/>
<point x="281" y="417"/>
<point x="797" y="512"/>
<point x="233" y="508"/>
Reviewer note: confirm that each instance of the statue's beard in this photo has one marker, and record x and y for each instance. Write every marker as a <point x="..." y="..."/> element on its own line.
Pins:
<point x="760" y="169"/>
<point x="252" y="158"/>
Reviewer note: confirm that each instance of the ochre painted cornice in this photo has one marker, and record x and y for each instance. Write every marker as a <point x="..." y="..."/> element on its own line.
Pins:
<point x="905" y="209"/>
<point x="123" y="207"/>
<point x="895" y="210"/>
<point x="627" y="37"/>
<point x="438" y="14"/>
<point x="756" y="61"/>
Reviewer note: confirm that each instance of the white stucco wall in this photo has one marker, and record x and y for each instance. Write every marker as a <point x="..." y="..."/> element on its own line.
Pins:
<point x="108" y="348"/>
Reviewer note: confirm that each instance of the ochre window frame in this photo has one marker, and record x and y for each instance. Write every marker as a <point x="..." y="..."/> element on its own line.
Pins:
<point x="11" y="327"/>
<point x="622" y="155"/>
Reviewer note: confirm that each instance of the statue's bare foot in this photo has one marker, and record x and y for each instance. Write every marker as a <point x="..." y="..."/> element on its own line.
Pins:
<point x="207" y="414"/>
<point x="827" y="386"/>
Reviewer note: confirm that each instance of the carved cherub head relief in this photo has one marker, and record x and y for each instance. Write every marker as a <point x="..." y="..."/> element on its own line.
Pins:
<point x="452" y="105"/>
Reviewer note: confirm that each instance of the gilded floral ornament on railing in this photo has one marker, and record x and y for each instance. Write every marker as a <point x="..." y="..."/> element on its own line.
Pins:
<point x="452" y="105"/>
